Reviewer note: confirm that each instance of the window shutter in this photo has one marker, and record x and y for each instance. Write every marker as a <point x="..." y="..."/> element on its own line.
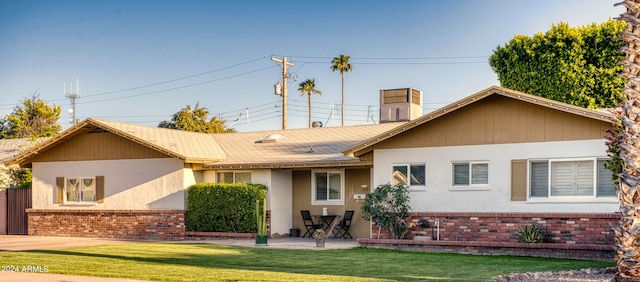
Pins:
<point x="518" y="180"/>
<point x="100" y="189"/>
<point x="59" y="190"/>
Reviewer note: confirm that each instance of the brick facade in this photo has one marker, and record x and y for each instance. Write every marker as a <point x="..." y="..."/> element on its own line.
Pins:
<point x="546" y="250"/>
<point x="121" y="224"/>
<point x="571" y="235"/>
<point x="564" y="228"/>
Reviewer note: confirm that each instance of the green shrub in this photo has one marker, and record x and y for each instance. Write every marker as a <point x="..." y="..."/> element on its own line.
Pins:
<point x="223" y="207"/>
<point x="388" y="206"/>
<point x="530" y="234"/>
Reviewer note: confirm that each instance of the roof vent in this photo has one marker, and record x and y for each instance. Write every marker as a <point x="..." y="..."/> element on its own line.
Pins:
<point x="316" y="124"/>
<point x="273" y="138"/>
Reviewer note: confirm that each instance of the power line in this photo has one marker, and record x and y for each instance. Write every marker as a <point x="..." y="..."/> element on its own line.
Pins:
<point x="178" y="87"/>
<point x="392" y="58"/>
<point x="172" y="80"/>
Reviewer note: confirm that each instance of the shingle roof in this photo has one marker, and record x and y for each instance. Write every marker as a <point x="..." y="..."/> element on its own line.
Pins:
<point x="193" y="147"/>
<point x="366" y="146"/>
<point x="12" y="147"/>
<point x="295" y="147"/>
<point x="311" y="146"/>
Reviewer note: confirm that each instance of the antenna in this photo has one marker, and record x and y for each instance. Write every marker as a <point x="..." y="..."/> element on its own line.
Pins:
<point x="242" y="116"/>
<point x="370" y="115"/>
<point x="330" y="114"/>
<point x="72" y="95"/>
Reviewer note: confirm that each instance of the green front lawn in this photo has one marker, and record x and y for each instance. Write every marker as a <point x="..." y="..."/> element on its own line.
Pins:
<point x="205" y="262"/>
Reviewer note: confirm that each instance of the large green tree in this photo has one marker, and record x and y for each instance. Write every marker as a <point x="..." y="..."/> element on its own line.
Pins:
<point x="575" y="65"/>
<point x="196" y="120"/>
<point x="342" y="64"/>
<point x="308" y="87"/>
<point x="33" y="119"/>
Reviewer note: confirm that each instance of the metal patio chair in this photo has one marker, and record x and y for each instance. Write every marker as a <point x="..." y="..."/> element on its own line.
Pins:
<point x="309" y="224"/>
<point x="342" y="228"/>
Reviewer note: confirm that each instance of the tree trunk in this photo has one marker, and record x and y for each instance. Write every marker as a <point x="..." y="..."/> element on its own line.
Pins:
<point x="309" y="103"/>
<point x="342" y="105"/>
<point x="628" y="233"/>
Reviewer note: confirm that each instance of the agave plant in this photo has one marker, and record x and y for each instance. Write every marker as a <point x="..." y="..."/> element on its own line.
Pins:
<point x="530" y="234"/>
<point x="627" y="234"/>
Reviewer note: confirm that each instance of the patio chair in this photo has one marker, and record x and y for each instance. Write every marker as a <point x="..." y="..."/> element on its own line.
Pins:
<point x="309" y="224"/>
<point x="342" y="228"/>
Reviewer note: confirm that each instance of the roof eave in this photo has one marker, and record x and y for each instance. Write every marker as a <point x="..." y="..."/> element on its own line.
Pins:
<point x="290" y="165"/>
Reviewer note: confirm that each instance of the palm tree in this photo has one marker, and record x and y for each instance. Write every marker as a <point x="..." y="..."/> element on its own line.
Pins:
<point x="342" y="64"/>
<point x="308" y="87"/>
<point x="627" y="235"/>
<point x="196" y="120"/>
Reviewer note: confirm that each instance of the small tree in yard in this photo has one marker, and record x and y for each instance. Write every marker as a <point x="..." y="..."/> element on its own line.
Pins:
<point x="388" y="206"/>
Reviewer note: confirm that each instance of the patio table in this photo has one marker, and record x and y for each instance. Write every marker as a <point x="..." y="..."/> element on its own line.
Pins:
<point x="326" y="221"/>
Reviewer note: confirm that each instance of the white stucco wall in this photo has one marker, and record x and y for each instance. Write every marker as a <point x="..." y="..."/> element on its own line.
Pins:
<point x="281" y="201"/>
<point x="129" y="184"/>
<point x="440" y="195"/>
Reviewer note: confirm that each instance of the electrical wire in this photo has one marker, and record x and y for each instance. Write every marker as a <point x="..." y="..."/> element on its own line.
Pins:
<point x="176" y="88"/>
<point x="388" y="58"/>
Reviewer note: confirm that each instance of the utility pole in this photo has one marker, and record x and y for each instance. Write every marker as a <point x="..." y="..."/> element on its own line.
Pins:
<point x="72" y="97"/>
<point x="283" y="65"/>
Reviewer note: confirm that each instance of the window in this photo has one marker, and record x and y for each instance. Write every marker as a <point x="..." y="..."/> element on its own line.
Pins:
<point x="411" y="175"/>
<point x="234" y="177"/>
<point x="471" y="173"/>
<point x="328" y="186"/>
<point x="563" y="178"/>
<point x="80" y="190"/>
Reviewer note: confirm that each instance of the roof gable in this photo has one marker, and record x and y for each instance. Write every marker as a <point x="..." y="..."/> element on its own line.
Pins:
<point x="190" y="146"/>
<point x="493" y="116"/>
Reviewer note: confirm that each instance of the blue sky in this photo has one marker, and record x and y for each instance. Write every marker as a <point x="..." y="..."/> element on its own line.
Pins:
<point x="141" y="61"/>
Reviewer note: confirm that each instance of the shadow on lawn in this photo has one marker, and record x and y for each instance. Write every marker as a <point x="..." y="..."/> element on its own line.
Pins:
<point x="343" y="263"/>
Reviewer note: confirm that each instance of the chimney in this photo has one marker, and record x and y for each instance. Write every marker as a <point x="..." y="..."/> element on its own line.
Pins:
<point x="403" y="104"/>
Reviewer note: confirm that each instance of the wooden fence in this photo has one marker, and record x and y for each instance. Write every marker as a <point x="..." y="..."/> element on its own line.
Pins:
<point x="17" y="201"/>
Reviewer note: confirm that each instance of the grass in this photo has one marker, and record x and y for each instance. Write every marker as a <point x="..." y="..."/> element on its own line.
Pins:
<point x="205" y="262"/>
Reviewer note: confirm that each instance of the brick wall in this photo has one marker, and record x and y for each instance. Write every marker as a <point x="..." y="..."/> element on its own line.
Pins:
<point x="122" y="224"/>
<point x="565" y="228"/>
<point x="547" y="250"/>
<point x="572" y="235"/>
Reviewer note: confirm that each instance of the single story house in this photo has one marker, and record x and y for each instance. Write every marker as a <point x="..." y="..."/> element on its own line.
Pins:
<point x="496" y="154"/>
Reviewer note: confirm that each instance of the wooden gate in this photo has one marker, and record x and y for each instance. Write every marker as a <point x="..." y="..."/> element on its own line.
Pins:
<point x="18" y="200"/>
<point x="3" y="212"/>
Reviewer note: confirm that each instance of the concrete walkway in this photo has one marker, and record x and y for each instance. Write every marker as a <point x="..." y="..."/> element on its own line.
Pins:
<point x="24" y="243"/>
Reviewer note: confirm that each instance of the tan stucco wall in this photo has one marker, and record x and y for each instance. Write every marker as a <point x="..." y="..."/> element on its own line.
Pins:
<point x="129" y="184"/>
<point x="356" y="181"/>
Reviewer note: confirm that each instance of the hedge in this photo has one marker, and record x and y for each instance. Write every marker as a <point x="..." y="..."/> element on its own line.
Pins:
<point x="223" y="207"/>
